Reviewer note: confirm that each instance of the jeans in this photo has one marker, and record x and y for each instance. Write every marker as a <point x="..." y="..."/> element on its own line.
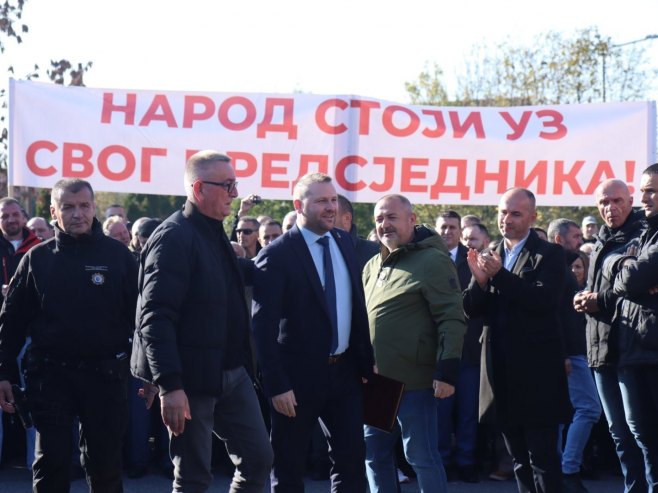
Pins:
<point x="236" y="419"/>
<point x="417" y="419"/>
<point x="630" y="455"/>
<point x="585" y="401"/>
<point x="458" y="414"/>
<point x="639" y="392"/>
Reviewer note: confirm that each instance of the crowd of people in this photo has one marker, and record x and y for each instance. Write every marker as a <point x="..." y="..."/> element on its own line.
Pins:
<point x="138" y="342"/>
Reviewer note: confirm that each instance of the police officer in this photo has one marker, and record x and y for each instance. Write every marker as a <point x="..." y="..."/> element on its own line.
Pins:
<point x="75" y="295"/>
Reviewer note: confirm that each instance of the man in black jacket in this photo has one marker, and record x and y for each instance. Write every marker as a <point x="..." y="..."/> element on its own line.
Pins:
<point x="637" y="284"/>
<point x="582" y="390"/>
<point x="458" y="414"/>
<point x="365" y="249"/>
<point x="75" y="295"/>
<point x="621" y="229"/>
<point x="192" y="337"/>
<point x="523" y="386"/>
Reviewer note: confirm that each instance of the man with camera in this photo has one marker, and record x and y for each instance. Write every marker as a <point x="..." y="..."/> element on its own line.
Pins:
<point x="244" y="229"/>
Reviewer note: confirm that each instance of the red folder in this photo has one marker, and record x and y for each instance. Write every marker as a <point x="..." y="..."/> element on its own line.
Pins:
<point x="381" y="401"/>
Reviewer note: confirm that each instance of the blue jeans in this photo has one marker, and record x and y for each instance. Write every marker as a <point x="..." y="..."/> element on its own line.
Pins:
<point x="417" y="418"/>
<point x="458" y="415"/>
<point x="587" y="411"/>
<point x="639" y="391"/>
<point x="630" y="455"/>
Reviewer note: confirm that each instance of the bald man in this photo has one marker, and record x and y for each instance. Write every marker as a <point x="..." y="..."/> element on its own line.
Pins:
<point x="517" y="288"/>
<point x="620" y="231"/>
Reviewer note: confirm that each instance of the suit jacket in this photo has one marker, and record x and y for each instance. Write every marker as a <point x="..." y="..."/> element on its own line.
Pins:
<point x="472" y="349"/>
<point x="523" y="380"/>
<point x="290" y="316"/>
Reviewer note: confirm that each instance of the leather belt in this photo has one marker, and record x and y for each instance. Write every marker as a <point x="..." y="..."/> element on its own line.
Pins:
<point x="333" y="359"/>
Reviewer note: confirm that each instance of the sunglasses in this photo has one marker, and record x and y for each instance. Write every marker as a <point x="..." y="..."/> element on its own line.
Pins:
<point x="245" y="231"/>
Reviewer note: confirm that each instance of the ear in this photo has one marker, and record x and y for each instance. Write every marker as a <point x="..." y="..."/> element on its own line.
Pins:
<point x="297" y="204"/>
<point x="52" y="212"/>
<point x="197" y="190"/>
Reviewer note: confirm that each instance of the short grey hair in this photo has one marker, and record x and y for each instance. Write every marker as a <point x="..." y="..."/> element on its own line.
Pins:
<point x="72" y="185"/>
<point x="560" y="227"/>
<point x="400" y="198"/>
<point x="109" y="222"/>
<point x="198" y="164"/>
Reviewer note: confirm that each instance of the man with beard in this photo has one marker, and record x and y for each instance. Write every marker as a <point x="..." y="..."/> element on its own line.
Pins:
<point x="417" y="331"/>
<point x="16" y="239"/>
<point x="311" y="331"/>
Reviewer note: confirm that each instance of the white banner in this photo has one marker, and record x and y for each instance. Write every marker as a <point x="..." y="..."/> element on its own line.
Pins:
<point x="138" y="141"/>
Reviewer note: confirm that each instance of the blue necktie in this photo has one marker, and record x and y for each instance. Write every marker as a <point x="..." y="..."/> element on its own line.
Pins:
<point x="330" y="291"/>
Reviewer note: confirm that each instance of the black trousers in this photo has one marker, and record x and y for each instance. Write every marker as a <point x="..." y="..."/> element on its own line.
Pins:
<point x="339" y="406"/>
<point x="537" y="465"/>
<point x="57" y="395"/>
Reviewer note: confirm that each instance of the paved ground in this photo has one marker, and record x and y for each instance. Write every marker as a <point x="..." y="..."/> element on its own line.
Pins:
<point x="17" y="480"/>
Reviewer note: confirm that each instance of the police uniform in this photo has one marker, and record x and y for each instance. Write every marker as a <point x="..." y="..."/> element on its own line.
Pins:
<point x="75" y="296"/>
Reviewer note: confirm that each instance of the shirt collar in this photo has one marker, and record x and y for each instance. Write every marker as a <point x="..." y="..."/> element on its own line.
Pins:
<point x="309" y="236"/>
<point x="516" y="248"/>
<point x="453" y="253"/>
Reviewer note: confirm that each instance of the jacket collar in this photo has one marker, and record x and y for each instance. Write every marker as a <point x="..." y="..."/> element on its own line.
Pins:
<point x="64" y="239"/>
<point x="634" y="221"/>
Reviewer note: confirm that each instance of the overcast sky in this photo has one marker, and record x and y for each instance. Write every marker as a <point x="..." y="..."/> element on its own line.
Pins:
<point x="361" y="47"/>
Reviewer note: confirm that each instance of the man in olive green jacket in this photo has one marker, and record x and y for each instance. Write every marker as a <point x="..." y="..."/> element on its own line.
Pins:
<point x="417" y="330"/>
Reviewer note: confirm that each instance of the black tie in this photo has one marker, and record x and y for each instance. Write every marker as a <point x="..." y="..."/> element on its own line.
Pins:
<point x="330" y="291"/>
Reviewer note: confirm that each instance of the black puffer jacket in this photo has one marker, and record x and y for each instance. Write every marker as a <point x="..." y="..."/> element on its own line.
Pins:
<point x="187" y="311"/>
<point x="601" y="326"/>
<point x="638" y="332"/>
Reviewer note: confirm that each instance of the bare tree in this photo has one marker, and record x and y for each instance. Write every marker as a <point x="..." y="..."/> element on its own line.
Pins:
<point x="555" y="69"/>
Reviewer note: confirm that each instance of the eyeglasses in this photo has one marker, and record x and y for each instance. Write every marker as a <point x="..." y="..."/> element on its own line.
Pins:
<point x="230" y="186"/>
<point x="245" y="231"/>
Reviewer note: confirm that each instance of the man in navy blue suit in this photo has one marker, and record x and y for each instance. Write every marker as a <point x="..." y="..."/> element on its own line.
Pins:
<point x="311" y="330"/>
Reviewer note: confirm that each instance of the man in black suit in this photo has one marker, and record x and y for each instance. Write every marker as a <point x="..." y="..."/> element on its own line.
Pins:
<point x="517" y="288"/>
<point x="365" y="249"/>
<point x="311" y="330"/>
<point x="458" y="414"/>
